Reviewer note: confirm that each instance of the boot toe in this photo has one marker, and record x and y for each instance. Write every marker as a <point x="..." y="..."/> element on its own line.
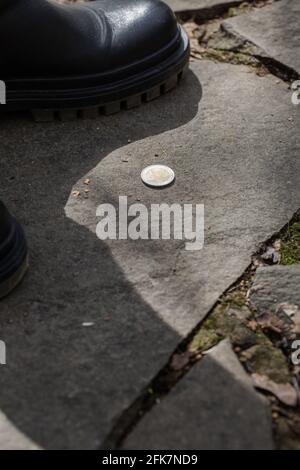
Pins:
<point x="90" y="54"/>
<point x="139" y="29"/>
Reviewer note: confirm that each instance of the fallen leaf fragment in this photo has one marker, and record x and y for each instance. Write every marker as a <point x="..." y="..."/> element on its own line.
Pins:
<point x="286" y="393"/>
<point x="269" y="321"/>
<point x="179" y="361"/>
<point x="252" y="324"/>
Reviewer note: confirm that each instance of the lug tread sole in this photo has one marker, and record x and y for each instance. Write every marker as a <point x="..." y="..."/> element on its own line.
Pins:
<point x="71" y="114"/>
<point x="8" y="285"/>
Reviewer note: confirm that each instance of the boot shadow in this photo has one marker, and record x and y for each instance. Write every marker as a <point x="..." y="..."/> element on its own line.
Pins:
<point x="64" y="384"/>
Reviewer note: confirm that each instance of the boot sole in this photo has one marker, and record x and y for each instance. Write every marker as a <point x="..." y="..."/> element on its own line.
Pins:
<point x="70" y="98"/>
<point x="10" y="284"/>
<point x="13" y="260"/>
<point x="92" y="112"/>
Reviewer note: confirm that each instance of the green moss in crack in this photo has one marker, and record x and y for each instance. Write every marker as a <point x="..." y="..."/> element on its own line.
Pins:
<point x="207" y="336"/>
<point x="228" y="319"/>
<point x="266" y="359"/>
<point x="285" y="437"/>
<point x="235" y="58"/>
<point x="234" y="299"/>
<point x="238" y="10"/>
<point x="290" y="244"/>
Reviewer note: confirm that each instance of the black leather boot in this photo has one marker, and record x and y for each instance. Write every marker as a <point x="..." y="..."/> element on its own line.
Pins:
<point x="104" y="54"/>
<point x="13" y="252"/>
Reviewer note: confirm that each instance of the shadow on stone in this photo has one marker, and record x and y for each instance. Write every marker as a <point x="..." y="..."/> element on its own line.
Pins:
<point x="65" y="383"/>
<point x="214" y="407"/>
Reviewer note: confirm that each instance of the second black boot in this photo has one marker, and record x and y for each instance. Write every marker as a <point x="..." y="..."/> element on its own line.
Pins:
<point x="13" y="252"/>
<point x="59" y="59"/>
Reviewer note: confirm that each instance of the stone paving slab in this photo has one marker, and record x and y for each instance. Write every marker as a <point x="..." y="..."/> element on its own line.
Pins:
<point x="214" y="407"/>
<point x="190" y="5"/>
<point x="274" y="286"/>
<point x="229" y="136"/>
<point x="275" y="29"/>
<point x="11" y="438"/>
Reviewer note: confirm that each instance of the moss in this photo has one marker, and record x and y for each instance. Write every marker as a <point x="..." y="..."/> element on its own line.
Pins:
<point x="207" y="336"/>
<point x="232" y="12"/>
<point x="236" y="58"/>
<point x="204" y="340"/>
<point x="267" y="360"/>
<point x="222" y="47"/>
<point x="290" y="244"/>
<point x="220" y="325"/>
<point x="230" y="319"/>
<point x="242" y="8"/>
<point x="235" y="299"/>
<point x="284" y="436"/>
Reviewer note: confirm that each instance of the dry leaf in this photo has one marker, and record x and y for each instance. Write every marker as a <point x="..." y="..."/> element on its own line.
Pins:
<point x="286" y="393"/>
<point x="252" y="324"/>
<point x="179" y="361"/>
<point x="269" y="321"/>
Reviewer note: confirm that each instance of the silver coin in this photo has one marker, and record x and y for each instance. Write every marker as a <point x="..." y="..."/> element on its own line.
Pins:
<point x="157" y="176"/>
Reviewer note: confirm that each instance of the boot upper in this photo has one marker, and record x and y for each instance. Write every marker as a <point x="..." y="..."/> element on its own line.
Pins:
<point x="13" y="247"/>
<point x="45" y="38"/>
<point x="5" y="223"/>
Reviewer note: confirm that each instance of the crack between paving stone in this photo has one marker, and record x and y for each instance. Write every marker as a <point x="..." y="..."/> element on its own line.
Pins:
<point x="280" y="70"/>
<point x="202" y="15"/>
<point x="248" y="53"/>
<point x="168" y="377"/>
<point x="248" y="48"/>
